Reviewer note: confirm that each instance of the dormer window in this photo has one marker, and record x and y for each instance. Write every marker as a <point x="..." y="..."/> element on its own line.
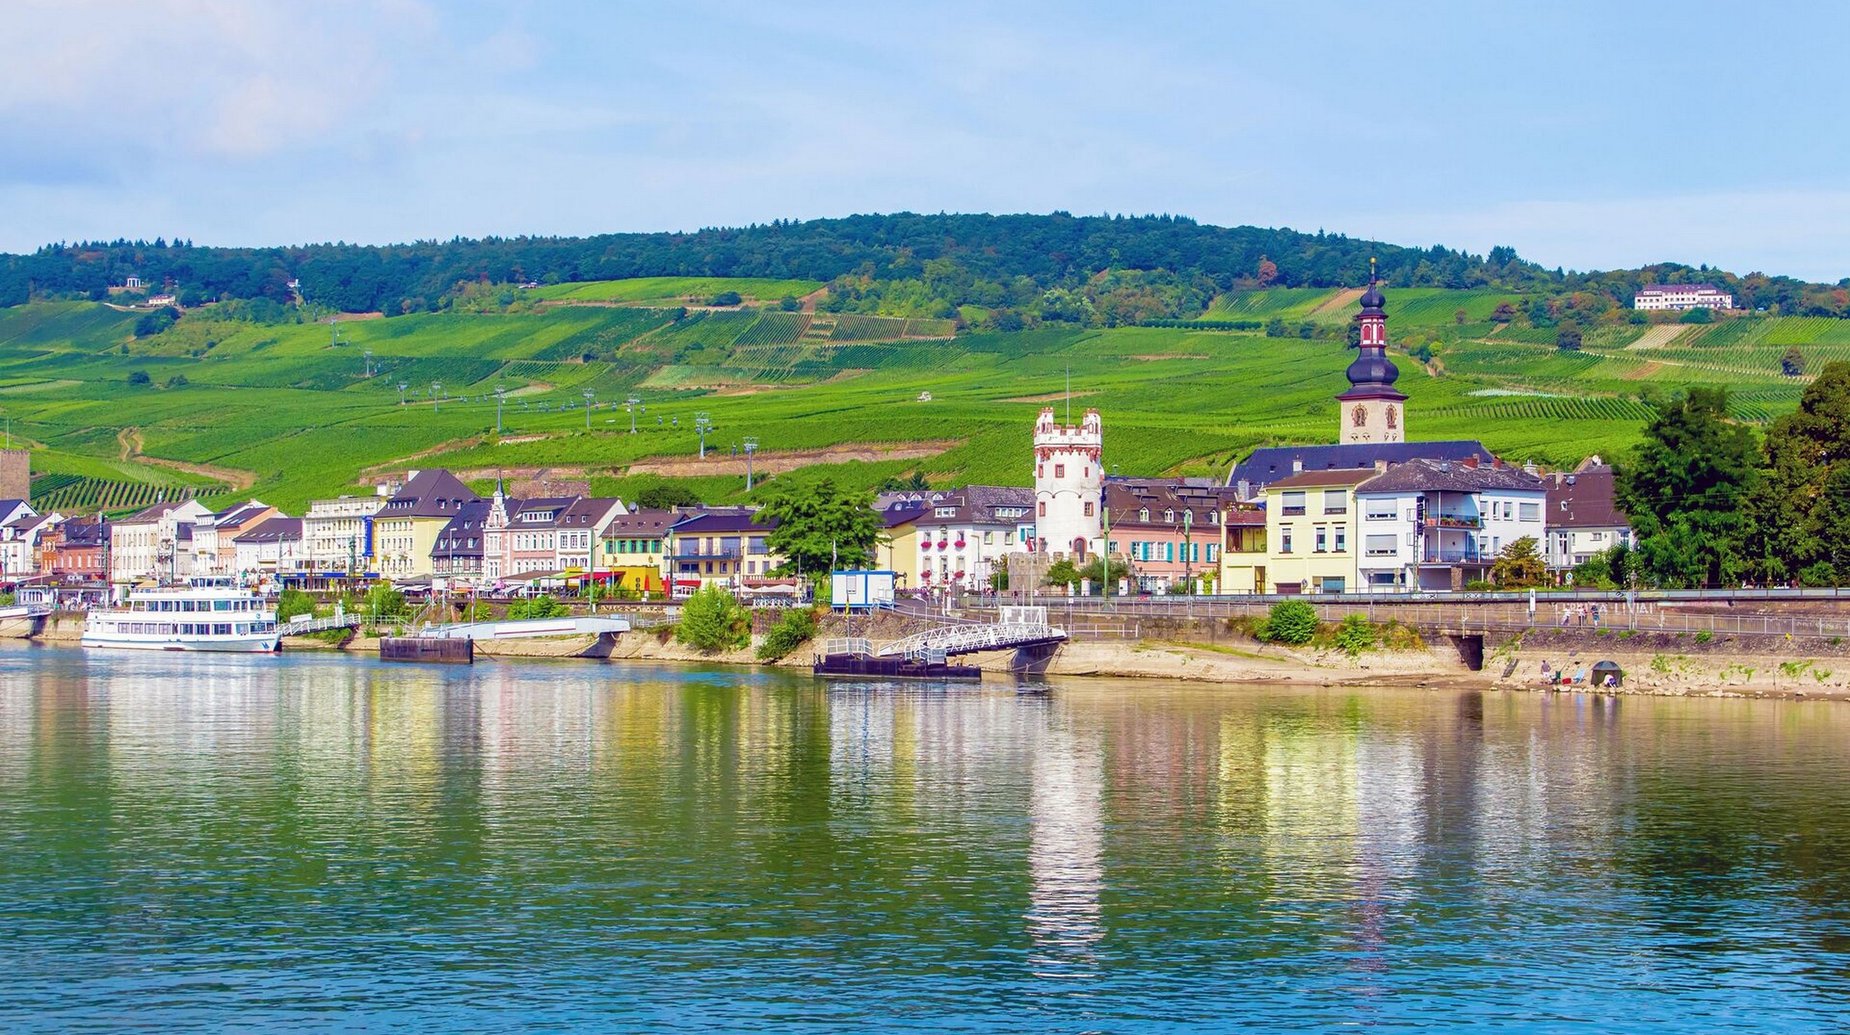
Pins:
<point x="1169" y="516"/>
<point x="1143" y="514"/>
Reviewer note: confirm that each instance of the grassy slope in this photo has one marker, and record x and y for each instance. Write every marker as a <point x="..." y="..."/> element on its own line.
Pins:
<point x="676" y="289"/>
<point x="1173" y="399"/>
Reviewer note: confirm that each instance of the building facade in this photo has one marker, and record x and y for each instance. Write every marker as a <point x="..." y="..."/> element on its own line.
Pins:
<point x="723" y="546"/>
<point x="962" y="538"/>
<point x="1069" y="485"/>
<point x="407" y="526"/>
<point x="337" y="534"/>
<point x="1682" y="296"/>
<point x="634" y="550"/>
<point x="154" y="543"/>
<point x="1372" y="410"/>
<point x="1166" y="531"/>
<point x="1435" y="525"/>
<point x="271" y="549"/>
<point x="1311" y="532"/>
<point x="1583" y="517"/>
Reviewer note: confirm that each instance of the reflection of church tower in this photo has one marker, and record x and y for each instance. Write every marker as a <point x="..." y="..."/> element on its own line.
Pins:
<point x="1371" y="408"/>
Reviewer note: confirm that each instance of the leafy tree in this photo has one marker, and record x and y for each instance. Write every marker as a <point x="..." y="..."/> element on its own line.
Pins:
<point x="789" y="303"/>
<point x="1307" y="329"/>
<point x="1063" y="573"/>
<point x="384" y="602"/>
<point x="666" y="494"/>
<point x="1504" y="313"/>
<point x="177" y="381"/>
<point x="725" y="298"/>
<point x="915" y="482"/>
<point x="1699" y="314"/>
<point x="1095" y="571"/>
<point x="1792" y="364"/>
<point x="139" y="378"/>
<point x="1290" y="621"/>
<point x="1568" y="339"/>
<point x="1800" y="510"/>
<point x="292" y="602"/>
<point x="1275" y="328"/>
<point x="711" y="620"/>
<point x="1460" y="317"/>
<point x="793" y="629"/>
<point x="157" y="321"/>
<point x="1519" y="566"/>
<point x="820" y="526"/>
<point x="1266" y="272"/>
<point x="1685" y="490"/>
<point x="533" y="608"/>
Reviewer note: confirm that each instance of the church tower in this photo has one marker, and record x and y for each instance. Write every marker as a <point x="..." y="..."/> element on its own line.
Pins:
<point x="1372" y="409"/>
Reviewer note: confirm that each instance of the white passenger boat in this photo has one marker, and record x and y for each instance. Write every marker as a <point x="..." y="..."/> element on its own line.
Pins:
<point x="207" y="614"/>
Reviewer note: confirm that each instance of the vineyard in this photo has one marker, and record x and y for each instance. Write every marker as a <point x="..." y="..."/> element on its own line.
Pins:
<point x="292" y="403"/>
<point x="72" y="495"/>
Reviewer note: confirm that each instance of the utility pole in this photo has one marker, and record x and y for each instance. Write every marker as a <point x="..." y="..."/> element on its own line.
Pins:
<point x="436" y="395"/>
<point x="590" y="395"/>
<point x="401" y="392"/>
<point x="369" y="362"/>
<point x="703" y="424"/>
<point x="751" y="446"/>
<point x="632" y="404"/>
<point x="1188" y="548"/>
<point x="500" y="398"/>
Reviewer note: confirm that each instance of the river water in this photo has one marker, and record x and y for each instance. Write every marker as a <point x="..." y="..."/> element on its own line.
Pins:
<point x="322" y="842"/>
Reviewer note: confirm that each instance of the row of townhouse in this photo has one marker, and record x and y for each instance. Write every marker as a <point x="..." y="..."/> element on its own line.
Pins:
<point x="1421" y="524"/>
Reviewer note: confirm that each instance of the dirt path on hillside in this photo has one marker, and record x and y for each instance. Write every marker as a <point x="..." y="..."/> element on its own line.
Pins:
<point x="129" y="439"/>
<point x="719" y="461"/>
<point x="1342" y="300"/>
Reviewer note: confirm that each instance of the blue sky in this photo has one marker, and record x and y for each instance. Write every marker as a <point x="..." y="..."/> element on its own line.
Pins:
<point x="1585" y="135"/>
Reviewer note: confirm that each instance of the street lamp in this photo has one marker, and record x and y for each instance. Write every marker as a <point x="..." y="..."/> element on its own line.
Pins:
<point x="590" y="395"/>
<point x="751" y="446"/>
<point x="703" y="424"/>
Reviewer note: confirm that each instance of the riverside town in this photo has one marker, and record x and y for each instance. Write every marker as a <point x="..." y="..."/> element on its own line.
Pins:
<point x="1172" y="517"/>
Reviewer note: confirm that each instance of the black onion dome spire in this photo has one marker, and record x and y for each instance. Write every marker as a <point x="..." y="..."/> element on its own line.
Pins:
<point x="1373" y="299"/>
<point x="1373" y="367"/>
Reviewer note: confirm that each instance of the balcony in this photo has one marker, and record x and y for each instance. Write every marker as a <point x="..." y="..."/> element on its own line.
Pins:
<point x="1437" y="556"/>
<point x="1291" y="511"/>
<point x="1454" y="521"/>
<point x="709" y="554"/>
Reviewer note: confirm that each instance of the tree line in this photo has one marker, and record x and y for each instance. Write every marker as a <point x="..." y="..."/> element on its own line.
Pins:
<point x="1057" y="267"/>
<point x="1712" y="505"/>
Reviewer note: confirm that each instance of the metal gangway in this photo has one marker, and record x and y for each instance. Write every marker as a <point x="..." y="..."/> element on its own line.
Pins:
<point x="1016" y="627"/>
<point x="303" y="626"/>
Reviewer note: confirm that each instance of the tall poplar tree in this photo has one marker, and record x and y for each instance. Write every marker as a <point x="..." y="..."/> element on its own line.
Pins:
<point x="1686" y="491"/>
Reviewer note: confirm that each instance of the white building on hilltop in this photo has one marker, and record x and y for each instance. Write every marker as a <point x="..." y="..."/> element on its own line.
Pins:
<point x="1682" y="296"/>
<point x="1069" y="484"/>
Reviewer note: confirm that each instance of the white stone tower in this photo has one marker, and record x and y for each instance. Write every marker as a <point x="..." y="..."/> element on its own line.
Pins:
<point x="1372" y="410"/>
<point x="1069" y="484"/>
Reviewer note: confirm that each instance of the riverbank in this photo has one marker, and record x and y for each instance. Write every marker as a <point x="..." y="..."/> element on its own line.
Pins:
<point x="1211" y="651"/>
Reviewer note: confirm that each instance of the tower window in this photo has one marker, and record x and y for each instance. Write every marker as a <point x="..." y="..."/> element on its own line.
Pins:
<point x="1043" y="508"/>
<point x="1059" y="470"/>
<point x="1088" y="508"/>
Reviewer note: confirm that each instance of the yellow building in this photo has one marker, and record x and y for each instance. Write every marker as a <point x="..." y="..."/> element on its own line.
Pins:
<point x="1243" y="549"/>
<point x="899" y="551"/>
<point x="633" y="551"/>
<point x="406" y="529"/>
<point x="1310" y="521"/>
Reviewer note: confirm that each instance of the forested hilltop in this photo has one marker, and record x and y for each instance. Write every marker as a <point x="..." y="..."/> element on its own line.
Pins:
<point x="1017" y="269"/>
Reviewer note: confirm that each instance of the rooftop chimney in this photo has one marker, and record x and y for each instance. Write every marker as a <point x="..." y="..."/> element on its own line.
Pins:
<point x="1297" y="465"/>
<point x="1471" y="463"/>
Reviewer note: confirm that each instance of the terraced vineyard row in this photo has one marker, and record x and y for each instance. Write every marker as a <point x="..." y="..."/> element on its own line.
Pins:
<point x="71" y="495"/>
<point x="1554" y="410"/>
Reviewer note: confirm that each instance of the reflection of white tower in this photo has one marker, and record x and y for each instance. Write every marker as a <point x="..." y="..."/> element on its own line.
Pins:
<point x="1068" y="485"/>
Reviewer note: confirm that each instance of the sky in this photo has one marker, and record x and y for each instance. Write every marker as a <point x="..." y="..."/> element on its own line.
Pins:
<point x="1585" y="135"/>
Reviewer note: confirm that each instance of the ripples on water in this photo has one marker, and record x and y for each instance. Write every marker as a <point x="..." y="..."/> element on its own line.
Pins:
<point x="322" y="842"/>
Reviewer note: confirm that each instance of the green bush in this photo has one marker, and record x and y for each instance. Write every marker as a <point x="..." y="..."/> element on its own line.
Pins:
<point x="711" y="620"/>
<point x="1289" y="621"/>
<point x="791" y="631"/>
<point x="384" y="602"/>
<point x="1704" y="636"/>
<point x="293" y="602"/>
<point x="536" y="607"/>
<point x="1355" y="635"/>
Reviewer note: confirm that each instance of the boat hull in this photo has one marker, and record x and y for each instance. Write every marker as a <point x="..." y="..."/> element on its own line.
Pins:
<point x="254" y="644"/>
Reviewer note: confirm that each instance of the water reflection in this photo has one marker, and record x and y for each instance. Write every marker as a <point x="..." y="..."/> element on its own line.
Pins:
<point x="323" y="841"/>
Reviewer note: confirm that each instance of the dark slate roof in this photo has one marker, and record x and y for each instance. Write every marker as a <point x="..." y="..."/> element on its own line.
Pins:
<point x="1421" y="475"/>
<point x="275" y="530"/>
<point x="434" y="493"/>
<point x="1125" y="498"/>
<point x="453" y="541"/>
<point x="708" y="522"/>
<point x="1583" y="499"/>
<point x="238" y="515"/>
<point x="585" y="510"/>
<point x="81" y="535"/>
<point x="642" y="523"/>
<point x="1322" y="479"/>
<point x="546" y="510"/>
<point x="1271" y="463"/>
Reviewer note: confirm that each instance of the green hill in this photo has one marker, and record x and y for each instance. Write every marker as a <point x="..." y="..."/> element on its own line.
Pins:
<point x="285" y="407"/>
